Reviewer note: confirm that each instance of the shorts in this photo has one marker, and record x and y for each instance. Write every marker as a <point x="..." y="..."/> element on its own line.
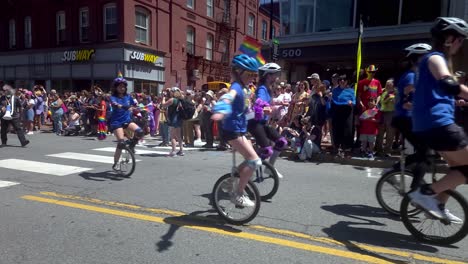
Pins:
<point x="367" y="138"/>
<point x="230" y="135"/>
<point x="29" y="115"/>
<point x="114" y="127"/>
<point x="446" y="138"/>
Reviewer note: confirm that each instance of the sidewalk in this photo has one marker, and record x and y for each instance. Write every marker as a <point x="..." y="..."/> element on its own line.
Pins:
<point x="356" y="160"/>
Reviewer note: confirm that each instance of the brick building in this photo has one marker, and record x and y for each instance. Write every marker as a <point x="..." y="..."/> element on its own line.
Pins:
<point x="70" y="44"/>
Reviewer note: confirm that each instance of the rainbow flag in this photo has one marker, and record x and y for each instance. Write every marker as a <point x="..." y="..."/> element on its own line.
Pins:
<point x="252" y="47"/>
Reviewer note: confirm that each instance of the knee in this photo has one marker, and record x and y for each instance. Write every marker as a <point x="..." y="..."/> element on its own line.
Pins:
<point x="281" y="144"/>
<point x="139" y="133"/>
<point x="253" y="164"/>
<point x="266" y="152"/>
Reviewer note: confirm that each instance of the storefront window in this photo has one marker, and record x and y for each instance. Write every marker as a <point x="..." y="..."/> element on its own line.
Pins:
<point x="412" y="11"/>
<point x="383" y="13"/>
<point x="334" y="14"/>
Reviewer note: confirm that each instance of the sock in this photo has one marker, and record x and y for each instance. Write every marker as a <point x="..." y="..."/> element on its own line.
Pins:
<point x="274" y="156"/>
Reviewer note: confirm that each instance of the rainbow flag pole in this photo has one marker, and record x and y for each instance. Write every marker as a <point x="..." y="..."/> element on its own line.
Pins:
<point x="252" y="47"/>
<point x="358" y="60"/>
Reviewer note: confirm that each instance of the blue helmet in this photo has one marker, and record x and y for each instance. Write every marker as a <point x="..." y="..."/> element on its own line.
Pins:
<point x="120" y="80"/>
<point x="245" y="62"/>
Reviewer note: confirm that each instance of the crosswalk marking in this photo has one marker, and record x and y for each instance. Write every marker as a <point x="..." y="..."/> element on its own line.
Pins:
<point x="7" y="183"/>
<point x="137" y="151"/>
<point x="85" y="157"/>
<point x="41" y="167"/>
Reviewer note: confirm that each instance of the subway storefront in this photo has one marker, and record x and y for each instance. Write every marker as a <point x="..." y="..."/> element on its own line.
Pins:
<point x="75" y="69"/>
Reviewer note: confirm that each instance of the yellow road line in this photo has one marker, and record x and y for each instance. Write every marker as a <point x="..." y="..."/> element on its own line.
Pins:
<point x="244" y="235"/>
<point x="114" y="204"/>
<point x="283" y="232"/>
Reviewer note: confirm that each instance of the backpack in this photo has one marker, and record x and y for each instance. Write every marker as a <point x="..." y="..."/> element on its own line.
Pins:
<point x="186" y="109"/>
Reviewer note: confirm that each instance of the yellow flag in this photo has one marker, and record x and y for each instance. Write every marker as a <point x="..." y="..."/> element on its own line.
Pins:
<point x="358" y="60"/>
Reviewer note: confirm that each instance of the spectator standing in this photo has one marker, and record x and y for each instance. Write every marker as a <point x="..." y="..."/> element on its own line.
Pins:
<point x="369" y="128"/>
<point x="387" y="110"/>
<point x="343" y="101"/>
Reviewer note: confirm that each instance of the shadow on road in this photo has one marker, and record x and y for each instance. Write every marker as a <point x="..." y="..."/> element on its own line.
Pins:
<point x="102" y="176"/>
<point x="351" y="233"/>
<point x="192" y="219"/>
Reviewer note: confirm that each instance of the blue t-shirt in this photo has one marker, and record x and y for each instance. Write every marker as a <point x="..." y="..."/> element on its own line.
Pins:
<point x="432" y="106"/>
<point x="121" y="115"/>
<point x="236" y="121"/>
<point x="263" y="94"/>
<point x="342" y="96"/>
<point x="406" y="79"/>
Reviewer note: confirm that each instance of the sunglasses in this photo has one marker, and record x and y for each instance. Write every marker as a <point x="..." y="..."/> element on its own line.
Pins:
<point x="251" y="74"/>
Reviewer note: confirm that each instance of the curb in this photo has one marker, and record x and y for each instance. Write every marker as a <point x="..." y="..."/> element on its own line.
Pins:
<point x="359" y="162"/>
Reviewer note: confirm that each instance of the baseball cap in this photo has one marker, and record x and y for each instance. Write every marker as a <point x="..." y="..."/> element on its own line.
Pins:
<point x="314" y="76"/>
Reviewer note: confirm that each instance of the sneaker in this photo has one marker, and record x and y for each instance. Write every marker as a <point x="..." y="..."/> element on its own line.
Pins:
<point x="427" y="202"/>
<point x="279" y="174"/>
<point x="114" y="167"/>
<point x="180" y="153"/>
<point x="242" y="200"/>
<point x="171" y="154"/>
<point x="30" y="133"/>
<point x="453" y="218"/>
<point x="208" y="146"/>
<point x="370" y="156"/>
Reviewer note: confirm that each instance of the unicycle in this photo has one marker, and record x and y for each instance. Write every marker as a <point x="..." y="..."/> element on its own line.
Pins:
<point x="267" y="180"/>
<point x="224" y="192"/>
<point x="126" y="164"/>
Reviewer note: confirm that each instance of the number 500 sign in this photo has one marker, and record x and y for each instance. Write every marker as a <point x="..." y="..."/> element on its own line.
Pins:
<point x="291" y="53"/>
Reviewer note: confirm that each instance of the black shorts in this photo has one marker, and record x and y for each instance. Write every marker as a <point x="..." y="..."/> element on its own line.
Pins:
<point x="230" y="135"/>
<point x="123" y="125"/>
<point x="445" y="138"/>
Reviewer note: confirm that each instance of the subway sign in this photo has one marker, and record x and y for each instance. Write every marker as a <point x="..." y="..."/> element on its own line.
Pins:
<point x="78" y="55"/>
<point x="143" y="57"/>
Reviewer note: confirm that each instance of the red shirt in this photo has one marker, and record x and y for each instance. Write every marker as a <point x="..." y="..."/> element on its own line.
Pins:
<point x="368" y="89"/>
<point x="370" y="126"/>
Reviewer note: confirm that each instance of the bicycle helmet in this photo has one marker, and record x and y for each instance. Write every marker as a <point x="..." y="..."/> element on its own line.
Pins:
<point x="419" y="48"/>
<point x="450" y="25"/>
<point x="269" y="68"/>
<point x="245" y="62"/>
<point x="119" y="80"/>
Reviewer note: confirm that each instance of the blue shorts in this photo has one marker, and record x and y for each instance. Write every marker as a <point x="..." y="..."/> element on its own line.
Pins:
<point x="29" y="115"/>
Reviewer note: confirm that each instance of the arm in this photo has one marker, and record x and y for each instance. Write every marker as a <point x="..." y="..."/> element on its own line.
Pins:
<point x="440" y="71"/>
<point x="223" y="106"/>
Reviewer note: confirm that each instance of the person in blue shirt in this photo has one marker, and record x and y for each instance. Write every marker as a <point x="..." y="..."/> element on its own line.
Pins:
<point x="264" y="135"/>
<point x="122" y="105"/>
<point x="233" y="108"/>
<point x="402" y="118"/>
<point x="433" y="115"/>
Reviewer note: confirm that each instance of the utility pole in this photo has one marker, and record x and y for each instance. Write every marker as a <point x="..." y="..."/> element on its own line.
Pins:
<point x="271" y="30"/>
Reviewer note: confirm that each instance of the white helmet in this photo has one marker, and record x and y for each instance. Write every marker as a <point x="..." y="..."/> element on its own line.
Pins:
<point x="419" y="48"/>
<point x="270" y="67"/>
<point x="456" y="24"/>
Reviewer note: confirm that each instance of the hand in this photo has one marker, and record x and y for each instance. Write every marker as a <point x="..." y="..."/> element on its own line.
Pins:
<point x="408" y="106"/>
<point x="460" y="102"/>
<point x="267" y="110"/>
<point x="350" y="103"/>
<point x="217" y="117"/>
<point x="320" y="93"/>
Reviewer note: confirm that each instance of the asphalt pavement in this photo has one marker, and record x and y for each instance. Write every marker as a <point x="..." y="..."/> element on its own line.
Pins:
<point x="60" y="202"/>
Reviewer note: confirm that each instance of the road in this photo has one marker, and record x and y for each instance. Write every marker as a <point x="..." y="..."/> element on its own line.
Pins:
<point x="61" y="203"/>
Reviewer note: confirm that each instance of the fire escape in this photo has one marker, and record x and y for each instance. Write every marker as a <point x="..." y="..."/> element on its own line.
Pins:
<point x="225" y="34"/>
<point x="218" y="67"/>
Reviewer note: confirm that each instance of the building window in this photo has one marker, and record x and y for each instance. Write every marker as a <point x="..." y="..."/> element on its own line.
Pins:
<point x="209" y="46"/>
<point x="274" y="32"/>
<point x="190" y="3"/>
<point x="251" y="25"/>
<point x="209" y="8"/>
<point x="61" y="27"/>
<point x="190" y="40"/>
<point x="110" y="21"/>
<point x="412" y="12"/>
<point x="12" y="33"/>
<point x="27" y="32"/>
<point x="264" y="30"/>
<point x="142" y="17"/>
<point x="84" y="24"/>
